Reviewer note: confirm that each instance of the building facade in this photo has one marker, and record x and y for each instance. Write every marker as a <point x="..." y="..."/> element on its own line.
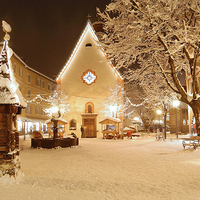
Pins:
<point x="35" y="88"/>
<point x="93" y="86"/>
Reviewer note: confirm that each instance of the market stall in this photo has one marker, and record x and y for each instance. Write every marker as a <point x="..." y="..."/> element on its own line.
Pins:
<point x="110" y="127"/>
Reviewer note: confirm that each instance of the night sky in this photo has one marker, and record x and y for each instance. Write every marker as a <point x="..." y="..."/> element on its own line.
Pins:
<point x="44" y="32"/>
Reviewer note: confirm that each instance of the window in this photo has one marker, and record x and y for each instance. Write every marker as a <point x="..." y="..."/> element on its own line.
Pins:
<point x="49" y="86"/>
<point x="37" y="110"/>
<point x="20" y="72"/>
<point x="42" y="111"/>
<point x="29" y="78"/>
<point x="89" y="107"/>
<point x="43" y="84"/>
<point x="28" y="109"/>
<point x="89" y="77"/>
<point x="28" y="94"/>
<point x="38" y="81"/>
<point x="72" y="124"/>
<point x="88" y="45"/>
<point x="53" y="87"/>
<point x="14" y="67"/>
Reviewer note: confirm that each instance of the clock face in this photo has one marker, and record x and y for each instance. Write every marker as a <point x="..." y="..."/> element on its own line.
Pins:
<point x="89" y="77"/>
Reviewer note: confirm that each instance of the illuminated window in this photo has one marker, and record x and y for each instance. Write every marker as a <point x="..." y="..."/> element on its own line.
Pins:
<point x="72" y="124"/>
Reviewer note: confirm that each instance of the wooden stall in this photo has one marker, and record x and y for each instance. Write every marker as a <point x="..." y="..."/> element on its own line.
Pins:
<point x="110" y="127"/>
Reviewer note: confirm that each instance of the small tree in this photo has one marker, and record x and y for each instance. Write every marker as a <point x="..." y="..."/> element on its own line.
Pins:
<point x="163" y="37"/>
<point x="59" y="107"/>
<point x="59" y="104"/>
<point x="113" y="105"/>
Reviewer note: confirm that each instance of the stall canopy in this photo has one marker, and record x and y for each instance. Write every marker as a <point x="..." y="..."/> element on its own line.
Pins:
<point x="110" y="126"/>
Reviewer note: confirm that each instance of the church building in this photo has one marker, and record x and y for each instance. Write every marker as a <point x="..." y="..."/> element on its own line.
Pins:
<point x="92" y="84"/>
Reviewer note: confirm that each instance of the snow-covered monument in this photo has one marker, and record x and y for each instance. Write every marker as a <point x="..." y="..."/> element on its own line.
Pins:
<point x="11" y="103"/>
<point x="87" y="79"/>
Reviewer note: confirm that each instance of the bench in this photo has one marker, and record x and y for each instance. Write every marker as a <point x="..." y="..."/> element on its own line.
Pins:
<point x="192" y="141"/>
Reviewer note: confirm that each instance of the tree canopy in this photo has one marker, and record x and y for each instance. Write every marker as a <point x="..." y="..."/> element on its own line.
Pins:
<point x="163" y="38"/>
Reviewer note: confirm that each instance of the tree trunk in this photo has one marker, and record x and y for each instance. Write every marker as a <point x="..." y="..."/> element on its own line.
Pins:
<point x="195" y="105"/>
<point x="165" y="121"/>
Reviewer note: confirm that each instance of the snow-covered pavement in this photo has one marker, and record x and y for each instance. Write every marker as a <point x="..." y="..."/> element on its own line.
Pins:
<point x="141" y="168"/>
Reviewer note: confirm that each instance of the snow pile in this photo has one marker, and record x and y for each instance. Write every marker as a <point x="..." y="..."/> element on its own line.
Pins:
<point x="141" y="168"/>
<point x="10" y="171"/>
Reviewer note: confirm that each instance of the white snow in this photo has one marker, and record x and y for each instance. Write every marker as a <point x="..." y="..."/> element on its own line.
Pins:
<point x="141" y="168"/>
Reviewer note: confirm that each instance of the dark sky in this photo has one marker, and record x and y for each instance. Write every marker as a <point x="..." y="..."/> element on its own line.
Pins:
<point x="44" y="32"/>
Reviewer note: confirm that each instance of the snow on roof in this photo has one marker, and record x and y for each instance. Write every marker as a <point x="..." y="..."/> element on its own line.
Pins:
<point x="10" y="93"/>
<point x="111" y="119"/>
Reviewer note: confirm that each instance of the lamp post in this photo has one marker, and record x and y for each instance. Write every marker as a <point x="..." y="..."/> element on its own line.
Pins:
<point x="176" y="104"/>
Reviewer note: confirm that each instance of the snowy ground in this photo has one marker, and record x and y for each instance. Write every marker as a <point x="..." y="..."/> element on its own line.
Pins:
<point x="140" y="168"/>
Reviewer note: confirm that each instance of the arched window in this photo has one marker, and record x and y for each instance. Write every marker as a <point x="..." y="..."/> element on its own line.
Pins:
<point x="89" y="107"/>
<point x="72" y="124"/>
<point x="88" y="45"/>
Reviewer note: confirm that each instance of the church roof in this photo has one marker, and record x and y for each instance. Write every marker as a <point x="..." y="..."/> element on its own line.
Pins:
<point x="89" y="28"/>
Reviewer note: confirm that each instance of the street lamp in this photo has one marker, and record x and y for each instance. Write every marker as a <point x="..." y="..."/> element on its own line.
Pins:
<point x="159" y="112"/>
<point x="176" y="103"/>
<point x="113" y="110"/>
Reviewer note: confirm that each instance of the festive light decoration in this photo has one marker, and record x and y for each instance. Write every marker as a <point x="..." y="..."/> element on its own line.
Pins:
<point x="38" y="99"/>
<point x="89" y="28"/>
<point x="59" y="104"/>
<point x="89" y="77"/>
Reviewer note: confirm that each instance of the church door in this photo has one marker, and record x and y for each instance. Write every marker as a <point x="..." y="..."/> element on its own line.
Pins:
<point x="90" y="128"/>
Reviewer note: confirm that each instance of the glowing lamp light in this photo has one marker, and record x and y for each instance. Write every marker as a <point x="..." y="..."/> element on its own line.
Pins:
<point x="159" y="112"/>
<point x="54" y="109"/>
<point x="176" y="103"/>
<point x="136" y="118"/>
<point x="113" y="108"/>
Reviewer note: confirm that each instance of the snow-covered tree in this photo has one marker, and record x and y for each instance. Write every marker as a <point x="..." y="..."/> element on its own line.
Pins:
<point x="163" y="37"/>
<point x="113" y="105"/>
<point x="59" y="104"/>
